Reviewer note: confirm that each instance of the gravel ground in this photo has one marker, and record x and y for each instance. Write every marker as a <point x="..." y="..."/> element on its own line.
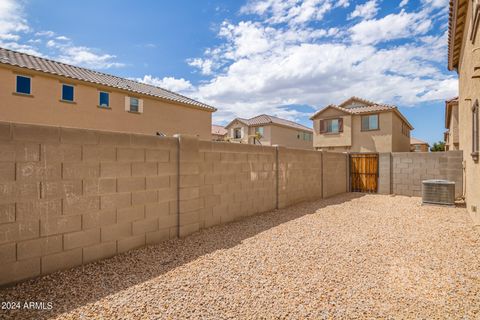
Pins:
<point x="350" y="256"/>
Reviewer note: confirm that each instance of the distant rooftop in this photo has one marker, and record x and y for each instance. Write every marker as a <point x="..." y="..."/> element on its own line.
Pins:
<point x="418" y="141"/>
<point x="218" y="130"/>
<point x="23" y="60"/>
<point x="264" y="119"/>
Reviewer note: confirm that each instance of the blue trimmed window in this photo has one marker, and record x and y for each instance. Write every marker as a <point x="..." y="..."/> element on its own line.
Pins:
<point x="67" y="92"/>
<point x="104" y="99"/>
<point x="24" y="85"/>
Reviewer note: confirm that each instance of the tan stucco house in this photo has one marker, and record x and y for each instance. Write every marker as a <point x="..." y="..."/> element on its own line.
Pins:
<point x="42" y="91"/>
<point x="219" y="133"/>
<point x="359" y="125"/>
<point x="269" y="130"/>
<point x="417" y="145"/>
<point x="451" y="136"/>
<point x="464" y="57"/>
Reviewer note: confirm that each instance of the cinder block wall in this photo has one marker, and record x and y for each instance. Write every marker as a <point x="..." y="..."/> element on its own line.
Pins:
<point x="300" y="176"/>
<point x="410" y="168"/>
<point x="72" y="196"/>
<point x="335" y="173"/>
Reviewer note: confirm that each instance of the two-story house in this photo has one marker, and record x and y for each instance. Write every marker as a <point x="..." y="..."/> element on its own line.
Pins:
<point x="42" y="91"/>
<point x="269" y="130"/>
<point x="359" y="125"/>
<point x="451" y="136"/>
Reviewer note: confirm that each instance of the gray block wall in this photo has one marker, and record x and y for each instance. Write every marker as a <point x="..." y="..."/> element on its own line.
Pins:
<point x="409" y="169"/>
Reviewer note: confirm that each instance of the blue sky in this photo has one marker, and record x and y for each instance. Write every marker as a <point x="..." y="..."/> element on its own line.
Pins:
<point x="287" y="58"/>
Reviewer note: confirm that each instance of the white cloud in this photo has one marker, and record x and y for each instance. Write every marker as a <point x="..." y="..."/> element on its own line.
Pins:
<point x="263" y="67"/>
<point x="204" y="65"/>
<point x="169" y="83"/>
<point x="367" y="10"/>
<point x="46" y="43"/>
<point x="393" y="26"/>
<point x="86" y="57"/>
<point x="292" y="11"/>
<point x="403" y="3"/>
<point x="11" y="17"/>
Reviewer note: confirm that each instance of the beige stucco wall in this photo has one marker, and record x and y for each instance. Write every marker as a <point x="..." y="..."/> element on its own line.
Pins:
<point x="288" y="137"/>
<point x="45" y="108"/>
<point x="388" y="138"/>
<point x="469" y="90"/>
<point x="400" y="141"/>
<point x="375" y="140"/>
<point x="272" y="135"/>
<point x="338" y="141"/>
<point x="452" y="142"/>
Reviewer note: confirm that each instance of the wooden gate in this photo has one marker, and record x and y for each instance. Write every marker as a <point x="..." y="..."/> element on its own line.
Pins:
<point x="364" y="172"/>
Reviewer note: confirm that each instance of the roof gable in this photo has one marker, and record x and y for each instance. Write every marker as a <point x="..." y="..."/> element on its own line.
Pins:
<point x="329" y="107"/>
<point x="355" y="101"/>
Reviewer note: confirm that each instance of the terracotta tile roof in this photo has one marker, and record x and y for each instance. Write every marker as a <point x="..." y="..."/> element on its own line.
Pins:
<point x="27" y="61"/>
<point x="368" y="109"/>
<point x="417" y="141"/>
<point x="219" y="130"/>
<point x="264" y="119"/>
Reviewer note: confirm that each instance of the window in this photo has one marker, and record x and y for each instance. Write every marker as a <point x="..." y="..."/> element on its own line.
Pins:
<point x="307" y="136"/>
<point x="134" y="104"/>
<point x="405" y="130"/>
<point x="67" y="92"/>
<point x="331" y="125"/>
<point x="237" y="133"/>
<point x="104" y="99"/>
<point x="475" y="131"/>
<point x="259" y="131"/>
<point x="418" y="147"/>
<point x="24" y="85"/>
<point x="370" y="122"/>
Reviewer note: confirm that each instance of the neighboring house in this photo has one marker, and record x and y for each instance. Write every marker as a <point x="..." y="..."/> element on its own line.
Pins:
<point x="359" y="125"/>
<point x="41" y="91"/>
<point x="219" y="133"/>
<point x="451" y="136"/>
<point x="417" y="145"/>
<point x="269" y="130"/>
<point x="464" y="57"/>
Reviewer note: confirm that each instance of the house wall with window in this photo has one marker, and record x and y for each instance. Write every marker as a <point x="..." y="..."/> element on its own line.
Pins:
<point x="380" y="132"/>
<point x="375" y="139"/>
<point x="334" y="141"/>
<point x="289" y="137"/>
<point x="55" y="100"/>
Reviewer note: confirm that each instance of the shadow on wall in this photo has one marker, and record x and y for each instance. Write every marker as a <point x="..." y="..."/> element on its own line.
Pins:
<point x="81" y="285"/>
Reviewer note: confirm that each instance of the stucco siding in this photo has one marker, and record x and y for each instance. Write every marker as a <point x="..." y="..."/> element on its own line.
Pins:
<point x="468" y="92"/>
<point x="375" y="140"/>
<point x="287" y="137"/>
<point x="341" y="139"/>
<point x="400" y="141"/>
<point x="45" y="107"/>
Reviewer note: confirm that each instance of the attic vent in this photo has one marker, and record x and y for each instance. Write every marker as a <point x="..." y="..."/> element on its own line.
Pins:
<point x="440" y="192"/>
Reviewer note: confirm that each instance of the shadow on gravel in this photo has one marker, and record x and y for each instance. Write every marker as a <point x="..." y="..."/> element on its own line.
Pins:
<point x="81" y="285"/>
